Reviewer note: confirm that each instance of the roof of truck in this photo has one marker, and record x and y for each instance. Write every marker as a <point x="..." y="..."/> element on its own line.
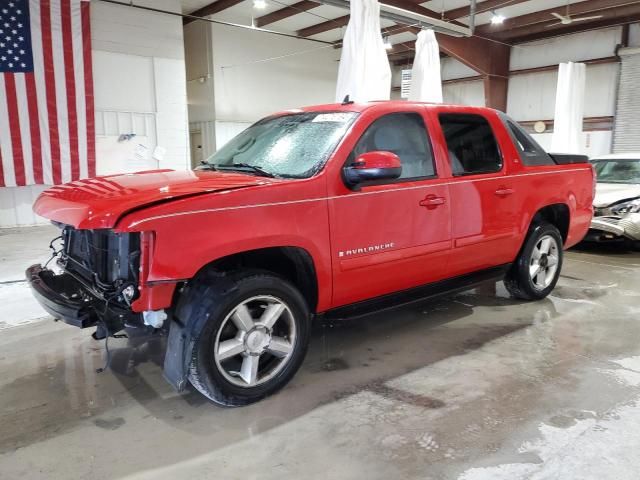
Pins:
<point x="389" y="105"/>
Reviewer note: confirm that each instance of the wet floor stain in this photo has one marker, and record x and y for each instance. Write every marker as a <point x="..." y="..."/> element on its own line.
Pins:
<point x="109" y="424"/>
<point x="561" y="421"/>
<point x="333" y="364"/>
<point x="390" y="393"/>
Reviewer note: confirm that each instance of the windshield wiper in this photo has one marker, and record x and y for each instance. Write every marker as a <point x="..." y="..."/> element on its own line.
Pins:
<point x="206" y="166"/>
<point x="243" y="167"/>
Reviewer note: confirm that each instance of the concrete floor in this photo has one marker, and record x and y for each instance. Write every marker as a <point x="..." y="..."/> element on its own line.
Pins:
<point x="477" y="386"/>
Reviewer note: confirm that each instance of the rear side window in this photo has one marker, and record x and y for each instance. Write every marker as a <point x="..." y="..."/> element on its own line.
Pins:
<point x="531" y="153"/>
<point x="405" y="135"/>
<point x="471" y="143"/>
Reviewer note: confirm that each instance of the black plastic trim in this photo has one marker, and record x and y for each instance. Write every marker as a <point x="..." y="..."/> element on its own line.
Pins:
<point x="568" y="159"/>
<point x="428" y="291"/>
<point x="47" y="289"/>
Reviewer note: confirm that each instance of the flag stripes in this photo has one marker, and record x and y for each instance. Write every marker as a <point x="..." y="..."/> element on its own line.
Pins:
<point x="47" y="131"/>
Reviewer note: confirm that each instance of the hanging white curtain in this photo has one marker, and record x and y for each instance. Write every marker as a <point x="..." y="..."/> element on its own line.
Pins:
<point x="364" y="72"/>
<point x="426" y="84"/>
<point x="567" y="122"/>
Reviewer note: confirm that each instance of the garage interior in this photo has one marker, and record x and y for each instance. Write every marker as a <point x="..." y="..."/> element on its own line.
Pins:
<point x="475" y="385"/>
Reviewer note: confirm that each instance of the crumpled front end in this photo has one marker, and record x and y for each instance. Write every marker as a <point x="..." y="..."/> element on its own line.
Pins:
<point x="615" y="227"/>
<point x="96" y="281"/>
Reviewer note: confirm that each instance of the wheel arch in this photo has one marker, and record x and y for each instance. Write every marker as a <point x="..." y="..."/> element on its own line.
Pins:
<point x="557" y="214"/>
<point x="294" y="264"/>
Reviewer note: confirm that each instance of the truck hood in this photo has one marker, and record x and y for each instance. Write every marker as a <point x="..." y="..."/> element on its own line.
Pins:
<point x="100" y="202"/>
<point x="609" y="193"/>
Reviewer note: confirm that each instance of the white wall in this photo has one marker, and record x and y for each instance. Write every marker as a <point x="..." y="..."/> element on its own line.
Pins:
<point x="575" y="48"/>
<point x="139" y="87"/>
<point x="532" y="96"/>
<point x="237" y="76"/>
<point x="634" y="35"/>
<point x="248" y="88"/>
<point x="464" y="93"/>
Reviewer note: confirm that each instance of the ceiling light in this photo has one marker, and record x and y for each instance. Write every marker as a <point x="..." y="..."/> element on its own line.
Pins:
<point x="496" y="19"/>
<point x="387" y="44"/>
<point x="260" y="4"/>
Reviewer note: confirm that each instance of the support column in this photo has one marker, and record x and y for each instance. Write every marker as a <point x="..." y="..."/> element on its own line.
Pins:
<point x="495" y="92"/>
<point x="490" y="59"/>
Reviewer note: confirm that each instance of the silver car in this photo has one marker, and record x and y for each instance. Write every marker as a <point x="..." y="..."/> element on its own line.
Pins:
<point x="617" y="200"/>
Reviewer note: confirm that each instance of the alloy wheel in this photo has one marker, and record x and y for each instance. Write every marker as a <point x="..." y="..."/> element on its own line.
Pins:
<point x="255" y="341"/>
<point x="544" y="262"/>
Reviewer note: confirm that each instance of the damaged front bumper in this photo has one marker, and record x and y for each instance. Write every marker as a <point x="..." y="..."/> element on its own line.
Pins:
<point x="66" y="298"/>
<point x="63" y="297"/>
<point x="611" y="228"/>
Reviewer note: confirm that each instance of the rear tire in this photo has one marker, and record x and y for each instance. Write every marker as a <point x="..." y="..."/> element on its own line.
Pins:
<point x="535" y="272"/>
<point x="254" y="339"/>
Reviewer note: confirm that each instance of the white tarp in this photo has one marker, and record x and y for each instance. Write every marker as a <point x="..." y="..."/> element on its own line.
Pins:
<point x="567" y="122"/>
<point x="426" y="84"/>
<point x="364" y="72"/>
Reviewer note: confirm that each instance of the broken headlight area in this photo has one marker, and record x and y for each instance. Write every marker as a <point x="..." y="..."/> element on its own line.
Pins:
<point x="97" y="282"/>
<point x="624" y="208"/>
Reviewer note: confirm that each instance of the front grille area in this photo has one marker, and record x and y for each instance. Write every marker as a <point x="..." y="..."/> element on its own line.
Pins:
<point x="101" y="259"/>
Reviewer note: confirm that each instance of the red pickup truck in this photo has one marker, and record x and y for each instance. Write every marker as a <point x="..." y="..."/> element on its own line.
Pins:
<point x="334" y="210"/>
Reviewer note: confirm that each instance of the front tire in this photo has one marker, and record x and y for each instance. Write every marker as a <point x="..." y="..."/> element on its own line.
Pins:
<point x="537" y="269"/>
<point x="254" y="340"/>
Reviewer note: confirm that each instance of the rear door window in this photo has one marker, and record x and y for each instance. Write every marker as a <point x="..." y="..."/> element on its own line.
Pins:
<point x="472" y="146"/>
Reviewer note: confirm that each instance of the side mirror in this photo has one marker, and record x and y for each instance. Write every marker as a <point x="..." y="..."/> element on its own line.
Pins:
<point x="371" y="166"/>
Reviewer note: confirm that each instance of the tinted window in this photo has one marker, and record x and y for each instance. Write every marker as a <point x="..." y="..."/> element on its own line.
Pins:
<point x="403" y="134"/>
<point x="471" y="144"/>
<point x="531" y="152"/>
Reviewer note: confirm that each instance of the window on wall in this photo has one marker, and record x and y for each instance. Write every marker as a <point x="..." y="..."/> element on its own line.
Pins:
<point x="472" y="146"/>
<point x="405" y="135"/>
<point x="531" y="153"/>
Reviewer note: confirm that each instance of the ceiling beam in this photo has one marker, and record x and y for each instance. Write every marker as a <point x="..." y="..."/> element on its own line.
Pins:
<point x="285" y="12"/>
<point x="306" y="5"/>
<point x="551" y="28"/>
<point x="324" y="26"/>
<point x="211" y="9"/>
<point x="463" y="12"/>
<point x="588" y="7"/>
<point x="344" y="20"/>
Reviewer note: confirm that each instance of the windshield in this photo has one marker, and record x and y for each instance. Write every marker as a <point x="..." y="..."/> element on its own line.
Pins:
<point x="617" y="171"/>
<point x="294" y="146"/>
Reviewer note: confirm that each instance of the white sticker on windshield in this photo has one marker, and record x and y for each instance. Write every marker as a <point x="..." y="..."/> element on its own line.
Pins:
<point x="333" y="117"/>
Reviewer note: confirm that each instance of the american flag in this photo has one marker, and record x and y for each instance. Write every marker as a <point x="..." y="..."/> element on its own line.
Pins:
<point x="47" y="132"/>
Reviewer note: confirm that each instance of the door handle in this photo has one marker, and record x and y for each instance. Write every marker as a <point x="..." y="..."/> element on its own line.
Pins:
<point x="432" y="201"/>
<point x="504" y="191"/>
